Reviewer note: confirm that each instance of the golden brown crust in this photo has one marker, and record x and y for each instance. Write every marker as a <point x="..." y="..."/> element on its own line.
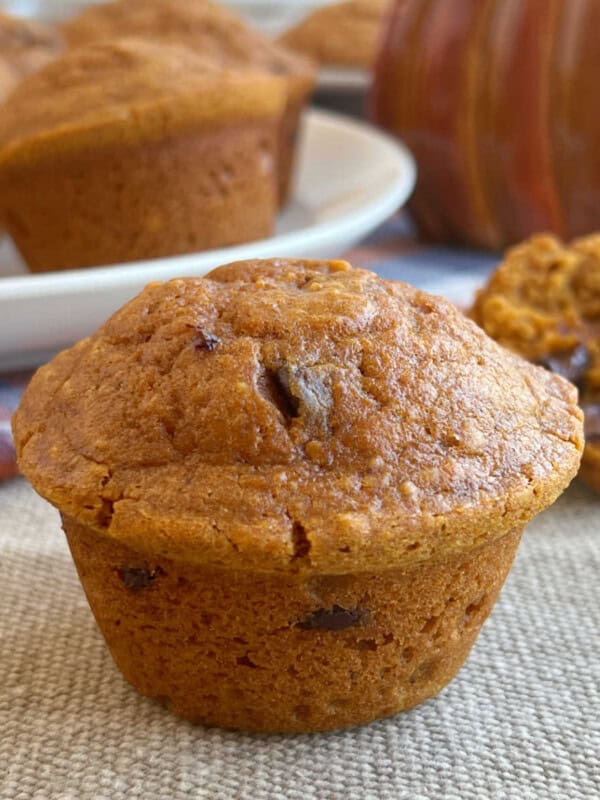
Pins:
<point x="127" y="91"/>
<point x="199" y="189"/>
<point x="543" y="302"/>
<point x="296" y="415"/>
<point x="25" y="46"/>
<point x="205" y="27"/>
<point x="286" y="652"/>
<point x="217" y="35"/>
<point x="8" y="80"/>
<point x="341" y="34"/>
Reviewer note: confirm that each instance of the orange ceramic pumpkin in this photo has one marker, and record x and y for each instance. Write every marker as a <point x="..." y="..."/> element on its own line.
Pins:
<point x="498" y="100"/>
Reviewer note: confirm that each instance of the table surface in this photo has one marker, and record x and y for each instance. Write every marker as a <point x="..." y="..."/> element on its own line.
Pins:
<point x="522" y="720"/>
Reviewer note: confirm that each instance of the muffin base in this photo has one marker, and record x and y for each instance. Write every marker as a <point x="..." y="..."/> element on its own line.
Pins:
<point x="191" y="191"/>
<point x="287" y="652"/>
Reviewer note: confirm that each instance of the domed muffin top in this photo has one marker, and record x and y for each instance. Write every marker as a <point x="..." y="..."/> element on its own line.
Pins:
<point x="204" y="26"/>
<point x="296" y="415"/>
<point x="128" y="89"/>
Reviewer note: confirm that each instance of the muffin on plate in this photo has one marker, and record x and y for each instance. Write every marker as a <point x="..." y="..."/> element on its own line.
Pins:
<point x="215" y="33"/>
<point x="7" y="80"/>
<point x="292" y="489"/>
<point x="132" y="149"/>
<point x="543" y="302"/>
<point x="340" y="35"/>
<point x="25" y="46"/>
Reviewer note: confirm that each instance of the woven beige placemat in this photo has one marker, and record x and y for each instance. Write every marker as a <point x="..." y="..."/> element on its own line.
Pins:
<point x="521" y="721"/>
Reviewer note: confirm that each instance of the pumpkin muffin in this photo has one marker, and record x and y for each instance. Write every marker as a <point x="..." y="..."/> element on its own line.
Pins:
<point x="543" y="302"/>
<point x="292" y="489"/>
<point x="132" y="149"/>
<point x="340" y="35"/>
<point x="215" y="33"/>
<point x="25" y="46"/>
<point x="7" y="80"/>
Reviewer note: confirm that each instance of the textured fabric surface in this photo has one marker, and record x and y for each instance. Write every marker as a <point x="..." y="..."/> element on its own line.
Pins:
<point x="521" y="721"/>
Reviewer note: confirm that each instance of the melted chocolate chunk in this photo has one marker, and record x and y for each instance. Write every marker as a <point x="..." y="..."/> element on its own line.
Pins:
<point x="138" y="578"/>
<point x="333" y="619"/>
<point x="204" y="340"/>
<point x="298" y="391"/>
<point x="591" y="422"/>
<point x="571" y="365"/>
<point x="275" y="386"/>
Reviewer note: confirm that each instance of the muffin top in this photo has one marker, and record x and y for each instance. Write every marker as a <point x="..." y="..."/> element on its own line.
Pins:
<point x="344" y="33"/>
<point x="296" y="415"/>
<point x="204" y="26"/>
<point x="127" y="89"/>
<point x="25" y="46"/>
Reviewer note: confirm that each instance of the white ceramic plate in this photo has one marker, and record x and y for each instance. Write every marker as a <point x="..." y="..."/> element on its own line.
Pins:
<point x="350" y="178"/>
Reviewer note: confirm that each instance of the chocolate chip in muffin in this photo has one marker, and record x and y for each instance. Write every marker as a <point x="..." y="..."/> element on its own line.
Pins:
<point x="308" y="389"/>
<point x="275" y="386"/>
<point x="205" y="340"/>
<point x="571" y="364"/>
<point x="335" y="618"/>
<point x="138" y="578"/>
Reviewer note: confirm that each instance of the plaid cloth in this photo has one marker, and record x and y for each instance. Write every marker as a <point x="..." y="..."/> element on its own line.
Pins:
<point x="392" y="251"/>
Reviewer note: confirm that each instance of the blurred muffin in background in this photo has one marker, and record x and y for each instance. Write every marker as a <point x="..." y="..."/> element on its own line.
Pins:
<point x="25" y="46"/>
<point x="343" y="34"/>
<point x="215" y="33"/>
<point x="8" y="79"/>
<point x="135" y="149"/>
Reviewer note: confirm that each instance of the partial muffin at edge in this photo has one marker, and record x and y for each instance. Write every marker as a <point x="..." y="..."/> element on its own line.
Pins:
<point x="543" y="302"/>
<point x="25" y="46"/>
<point x="345" y="34"/>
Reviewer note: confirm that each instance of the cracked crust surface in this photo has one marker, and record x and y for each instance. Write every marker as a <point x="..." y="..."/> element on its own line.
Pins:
<point x="296" y="415"/>
<point x="543" y="302"/>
